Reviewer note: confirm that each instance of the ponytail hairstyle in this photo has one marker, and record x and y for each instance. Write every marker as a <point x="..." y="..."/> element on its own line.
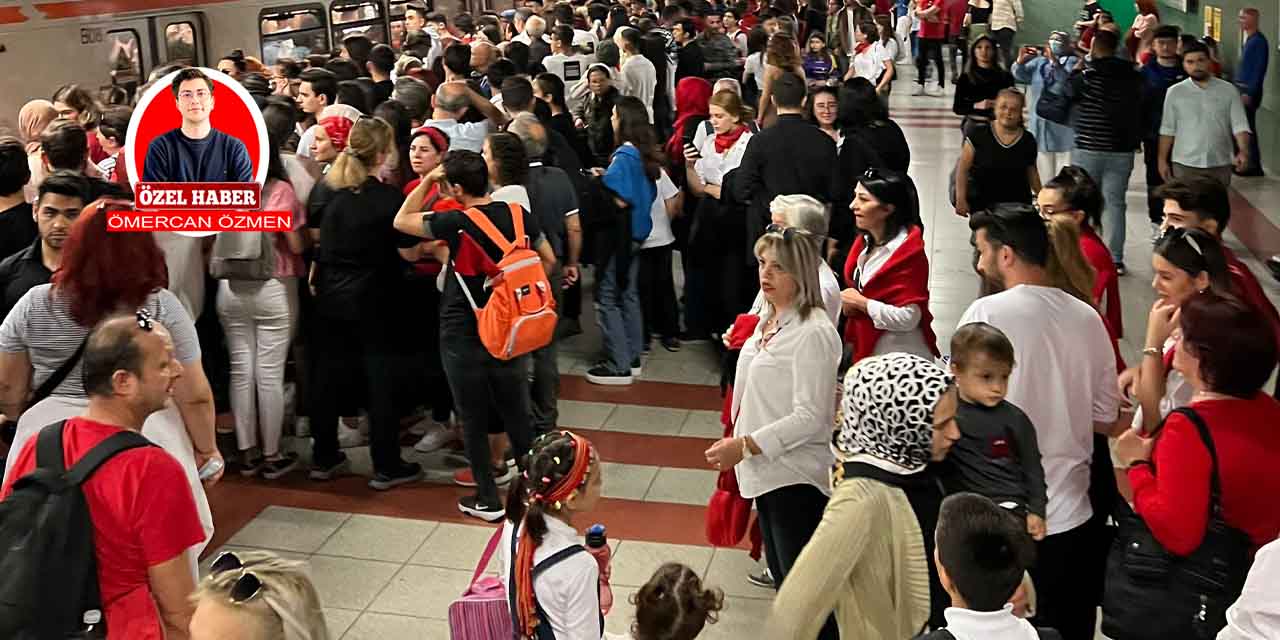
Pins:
<point x="557" y="467"/>
<point x="1067" y="267"/>
<point x="674" y="605"/>
<point x="370" y="139"/>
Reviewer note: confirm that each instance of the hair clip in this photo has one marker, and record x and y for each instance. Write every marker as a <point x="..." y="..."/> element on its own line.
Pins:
<point x="556" y="459"/>
<point x="557" y="505"/>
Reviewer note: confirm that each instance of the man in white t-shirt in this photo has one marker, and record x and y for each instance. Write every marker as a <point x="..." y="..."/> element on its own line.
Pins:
<point x="564" y="61"/>
<point x="1065" y="381"/>
<point x="450" y="102"/>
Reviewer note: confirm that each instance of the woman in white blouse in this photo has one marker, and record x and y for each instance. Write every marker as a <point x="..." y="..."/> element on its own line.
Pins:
<point x="717" y="237"/>
<point x="784" y="402"/>
<point x="886" y="304"/>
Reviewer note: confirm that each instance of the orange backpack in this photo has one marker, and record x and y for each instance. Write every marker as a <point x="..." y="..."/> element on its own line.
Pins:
<point x="520" y="315"/>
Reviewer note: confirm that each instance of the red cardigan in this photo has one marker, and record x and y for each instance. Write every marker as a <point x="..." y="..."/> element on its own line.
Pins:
<point x="1106" y="287"/>
<point x="902" y="281"/>
<point x="1172" y="494"/>
<point x="1250" y="290"/>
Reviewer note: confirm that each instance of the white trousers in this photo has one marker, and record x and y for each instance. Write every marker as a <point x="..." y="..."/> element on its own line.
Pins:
<point x="165" y="428"/>
<point x="258" y="318"/>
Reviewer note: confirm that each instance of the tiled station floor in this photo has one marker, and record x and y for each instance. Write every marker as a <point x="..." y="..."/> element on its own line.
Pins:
<point x="388" y="565"/>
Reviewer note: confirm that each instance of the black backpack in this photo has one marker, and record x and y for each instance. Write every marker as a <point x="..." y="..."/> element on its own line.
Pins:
<point x="48" y="571"/>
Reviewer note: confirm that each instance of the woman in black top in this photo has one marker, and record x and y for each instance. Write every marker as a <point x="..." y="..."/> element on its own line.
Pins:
<point x="998" y="163"/>
<point x="871" y="139"/>
<point x="977" y="87"/>
<point x="597" y="117"/>
<point x="357" y="282"/>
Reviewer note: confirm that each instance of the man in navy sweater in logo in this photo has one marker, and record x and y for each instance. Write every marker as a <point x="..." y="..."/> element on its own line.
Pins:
<point x="196" y="152"/>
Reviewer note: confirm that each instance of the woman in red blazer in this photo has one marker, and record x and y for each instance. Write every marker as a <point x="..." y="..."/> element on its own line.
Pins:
<point x="886" y="304"/>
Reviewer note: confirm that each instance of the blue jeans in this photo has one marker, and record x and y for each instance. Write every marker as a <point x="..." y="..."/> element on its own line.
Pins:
<point x="1111" y="170"/>
<point x="618" y="314"/>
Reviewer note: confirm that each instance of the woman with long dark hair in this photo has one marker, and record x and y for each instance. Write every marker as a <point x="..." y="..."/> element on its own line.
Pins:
<point x="357" y="281"/>
<point x="632" y="178"/>
<point x="870" y="139"/>
<point x="548" y="88"/>
<point x="886" y="304"/>
<point x="977" y="87"/>
<point x="102" y="274"/>
<point x="397" y="172"/>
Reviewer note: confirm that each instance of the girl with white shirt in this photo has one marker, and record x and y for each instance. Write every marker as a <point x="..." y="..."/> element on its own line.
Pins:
<point x="783" y="402"/>
<point x="562" y="482"/>
<point x="886" y="304"/>
<point x="1185" y="262"/>
<point x="716" y="235"/>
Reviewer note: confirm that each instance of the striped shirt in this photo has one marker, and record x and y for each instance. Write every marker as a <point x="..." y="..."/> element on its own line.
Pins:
<point x="42" y="326"/>
<point x="1108" y="92"/>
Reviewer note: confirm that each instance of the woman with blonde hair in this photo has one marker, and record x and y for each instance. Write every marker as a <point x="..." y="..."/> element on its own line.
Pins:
<point x="356" y="281"/>
<point x="254" y="595"/>
<point x="717" y="236"/>
<point x="782" y="399"/>
<point x="32" y="120"/>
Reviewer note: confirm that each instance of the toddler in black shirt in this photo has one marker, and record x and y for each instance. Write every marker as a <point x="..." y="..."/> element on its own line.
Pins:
<point x="997" y="455"/>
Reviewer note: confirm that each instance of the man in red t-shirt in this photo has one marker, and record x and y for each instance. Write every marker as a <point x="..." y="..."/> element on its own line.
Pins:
<point x="144" y="517"/>
<point x="1204" y="203"/>
<point x="933" y="33"/>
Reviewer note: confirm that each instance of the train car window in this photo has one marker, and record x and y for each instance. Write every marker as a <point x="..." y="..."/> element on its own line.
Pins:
<point x="292" y="32"/>
<point x="180" y="43"/>
<point x="396" y="20"/>
<point x="124" y="59"/>
<point x="357" y="18"/>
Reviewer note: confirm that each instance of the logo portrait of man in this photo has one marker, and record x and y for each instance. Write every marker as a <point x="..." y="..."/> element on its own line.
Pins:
<point x="196" y="152"/>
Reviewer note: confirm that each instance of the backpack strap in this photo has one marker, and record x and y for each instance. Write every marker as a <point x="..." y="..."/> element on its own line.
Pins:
<point x="103" y="451"/>
<point x="487" y="227"/>
<point x="517" y="223"/>
<point x="556" y="558"/>
<point x="49" y="448"/>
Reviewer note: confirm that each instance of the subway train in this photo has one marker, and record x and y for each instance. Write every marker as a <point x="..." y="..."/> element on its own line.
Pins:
<point x="112" y="45"/>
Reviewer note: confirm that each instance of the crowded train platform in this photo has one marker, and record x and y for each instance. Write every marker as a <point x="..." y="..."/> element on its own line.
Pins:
<point x="637" y="320"/>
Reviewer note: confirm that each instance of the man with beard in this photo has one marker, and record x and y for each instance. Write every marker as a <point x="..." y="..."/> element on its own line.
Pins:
<point x="1201" y="116"/>
<point x="61" y="197"/>
<point x="1065" y="381"/>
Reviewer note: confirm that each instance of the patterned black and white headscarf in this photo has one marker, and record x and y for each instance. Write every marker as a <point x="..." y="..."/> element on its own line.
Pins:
<point x="888" y="411"/>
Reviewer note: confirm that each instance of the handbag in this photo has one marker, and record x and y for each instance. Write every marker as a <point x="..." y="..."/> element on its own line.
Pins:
<point x="482" y="612"/>
<point x="728" y="513"/>
<point x="1153" y="594"/>
<point x="1056" y="101"/>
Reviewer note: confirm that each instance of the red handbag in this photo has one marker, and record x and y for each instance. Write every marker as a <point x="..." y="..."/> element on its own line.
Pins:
<point x="728" y="513"/>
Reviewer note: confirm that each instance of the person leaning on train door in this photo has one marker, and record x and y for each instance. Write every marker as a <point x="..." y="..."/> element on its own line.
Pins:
<point x="196" y="152"/>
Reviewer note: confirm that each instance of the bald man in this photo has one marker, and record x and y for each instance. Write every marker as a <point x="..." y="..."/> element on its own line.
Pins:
<point x="448" y="106"/>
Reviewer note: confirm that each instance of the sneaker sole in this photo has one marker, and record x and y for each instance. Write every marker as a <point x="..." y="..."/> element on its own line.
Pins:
<point x="760" y="583"/>
<point x="325" y="475"/>
<point x="614" y="381"/>
<point x="378" y="485"/>
<point x="276" y="475"/>
<point x="487" y="516"/>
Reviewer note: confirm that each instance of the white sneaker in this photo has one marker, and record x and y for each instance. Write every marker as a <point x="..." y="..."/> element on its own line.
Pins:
<point x="436" y="436"/>
<point x="919" y="90"/>
<point x="348" y="437"/>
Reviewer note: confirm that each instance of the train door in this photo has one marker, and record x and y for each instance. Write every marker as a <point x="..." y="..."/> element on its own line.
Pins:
<point x="292" y="31"/>
<point x="180" y="39"/>
<point x="127" y="46"/>
<point x="358" y="17"/>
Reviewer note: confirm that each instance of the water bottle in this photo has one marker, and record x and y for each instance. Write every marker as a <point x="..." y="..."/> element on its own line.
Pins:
<point x="598" y="546"/>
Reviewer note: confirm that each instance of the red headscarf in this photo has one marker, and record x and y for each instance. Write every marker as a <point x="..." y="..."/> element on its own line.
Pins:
<point x="539" y="493"/>
<point x="337" y="128"/>
<point x="693" y="97"/>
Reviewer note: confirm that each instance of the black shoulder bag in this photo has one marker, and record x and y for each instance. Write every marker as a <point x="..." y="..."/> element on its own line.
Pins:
<point x="1153" y="594"/>
<point x="47" y="387"/>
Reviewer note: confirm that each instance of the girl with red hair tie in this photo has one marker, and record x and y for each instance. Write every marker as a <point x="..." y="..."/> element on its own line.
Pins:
<point x="104" y="273"/>
<point x="561" y="483"/>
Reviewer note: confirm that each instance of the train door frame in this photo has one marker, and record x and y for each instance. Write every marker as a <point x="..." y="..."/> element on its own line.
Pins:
<point x="337" y="30"/>
<point x="277" y="10"/>
<point x="144" y="42"/>
<point x="199" y="45"/>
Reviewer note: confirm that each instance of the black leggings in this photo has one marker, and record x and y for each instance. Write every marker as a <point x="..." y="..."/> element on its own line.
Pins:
<point x="930" y="51"/>
<point x="658" y="293"/>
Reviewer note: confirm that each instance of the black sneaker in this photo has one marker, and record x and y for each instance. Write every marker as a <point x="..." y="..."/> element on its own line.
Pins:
<point x="276" y="469"/>
<point x="410" y="472"/>
<point x="761" y="579"/>
<point x="604" y="375"/>
<point x="637" y="367"/>
<point x="671" y="343"/>
<point x="472" y="506"/>
<point x="1120" y="269"/>
<point x="250" y="467"/>
<point x="322" y="472"/>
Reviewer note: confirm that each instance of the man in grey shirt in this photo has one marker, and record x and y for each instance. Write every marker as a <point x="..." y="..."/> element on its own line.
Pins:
<point x="1201" y="115"/>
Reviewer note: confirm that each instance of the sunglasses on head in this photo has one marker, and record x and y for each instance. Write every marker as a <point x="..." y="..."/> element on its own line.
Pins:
<point x="1178" y="233"/>
<point x="787" y="233"/>
<point x="246" y="587"/>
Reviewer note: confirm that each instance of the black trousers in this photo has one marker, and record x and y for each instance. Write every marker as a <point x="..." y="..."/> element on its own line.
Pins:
<point x="352" y="353"/>
<point x="486" y="392"/>
<point x="1255" y="151"/>
<point x="544" y="381"/>
<point x="1151" y="158"/>
<point x="788" y="517"/>
<point x="930" y="51"/>
<point x="658" y="293"/>
<point x="1068" y="575"/>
